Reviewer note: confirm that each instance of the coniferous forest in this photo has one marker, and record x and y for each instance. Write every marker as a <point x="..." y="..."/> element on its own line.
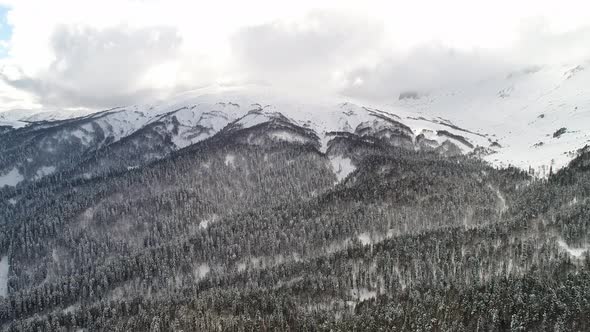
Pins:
<point x="226" y="235"/>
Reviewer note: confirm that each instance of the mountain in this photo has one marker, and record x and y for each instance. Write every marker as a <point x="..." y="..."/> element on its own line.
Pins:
<point x="535" y="119"/>
<point x="524" y="110"/>
<point x="128" y="137"/>
<point x="247" y="212"/>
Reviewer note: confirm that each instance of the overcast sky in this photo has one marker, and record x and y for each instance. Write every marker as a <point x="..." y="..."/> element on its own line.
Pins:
<point x="101" y="54"/>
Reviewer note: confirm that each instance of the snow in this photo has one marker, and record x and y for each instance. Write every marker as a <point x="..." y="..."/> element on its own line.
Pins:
<point x="12" y="201"/>
<point x="32" y="115"/>
<point x="365" y="239"/>
<point x="205" y="222"/>
<point x="324" y="140"/>
<point x="12" y="123"/>
<point x="574" y="252"/>
<point x="4" y="276"/>
<point x="79" y="134"/>
<point x="54" y="255"/>
<point x="337" y="246"/>
<point x="342" y="167"/>
<point x="230" y="160"/>
<point x="202" y="270"/>
<point x="362" y="294"/>
<point x="212" y="117"/>
<point x="253" y="119"/>
<point x="44" y="171"/>
<point x="11" y="179"/>
<point x="519" y="111"/>
<point x="285" y="136"/>
<point x="261" y="262"/>
<point x="502" y="206"/>
<point x="182" y="140"/>
<point x="71" y="309"/>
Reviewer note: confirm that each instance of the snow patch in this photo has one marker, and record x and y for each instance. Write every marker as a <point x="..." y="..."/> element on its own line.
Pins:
<point x="284" y="136"/>
<point x="365" y="239"/>
<point x="202" y="270"/>
<point x="337" y="246"/>
<point x="78" y="133"/>
<point x="71" y="309"/>
<point x="11" y="178"/>
<point x="205" y="222"/>
<point x="502" y="201"/>
<point x="252" y="119"/>
<point x="574" y="252"/>
<point x="44" y="171"/>
<point x="4" y="276"/>
<point x="184" y="139"/>
<point x="12" y="123"/>
<point x="342" y="167"/>
<point x="230" y="160"/>
<point x="362" y="294"/>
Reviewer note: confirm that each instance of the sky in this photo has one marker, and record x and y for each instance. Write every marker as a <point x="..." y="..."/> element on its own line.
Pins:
<point x="77" y="54"/>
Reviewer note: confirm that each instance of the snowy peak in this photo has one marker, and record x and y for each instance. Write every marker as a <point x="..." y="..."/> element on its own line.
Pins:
<point x="535" y="117"/>
<point x="125" y="137"/>
<point x="191" y="124"/>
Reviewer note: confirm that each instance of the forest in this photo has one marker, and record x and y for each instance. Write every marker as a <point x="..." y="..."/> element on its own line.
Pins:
<point x="226" y="235"/>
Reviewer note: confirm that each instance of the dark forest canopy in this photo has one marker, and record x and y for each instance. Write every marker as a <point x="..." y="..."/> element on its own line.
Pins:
<point x="225" y="235"/>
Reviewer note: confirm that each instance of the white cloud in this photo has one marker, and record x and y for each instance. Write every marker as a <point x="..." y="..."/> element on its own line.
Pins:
<point x="306" y="53"/>
<point x="433" y="66"/>
<point x="59" y="52"/>
<point x="99" y="68"/>
<point x="421" y="70"/>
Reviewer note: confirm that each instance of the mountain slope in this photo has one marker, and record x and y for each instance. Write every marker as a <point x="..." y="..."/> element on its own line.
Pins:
<point x="524" y="111"/>
<point x="535" y="118"/>
<point x="122" y="138"/>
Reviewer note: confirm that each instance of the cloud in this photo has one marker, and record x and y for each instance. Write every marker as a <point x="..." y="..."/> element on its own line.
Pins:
<point x="429" y="67"/>
<point x="304" y="52"/>
<point x="422" y="70"/>
<point x="99" y="67"/>
<point x="539" y="43"/>
<point x="85" y="54"/>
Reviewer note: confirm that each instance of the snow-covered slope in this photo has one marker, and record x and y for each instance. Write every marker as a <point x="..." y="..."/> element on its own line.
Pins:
<point x="524" y="110"/>
<point x="19" y="118"/>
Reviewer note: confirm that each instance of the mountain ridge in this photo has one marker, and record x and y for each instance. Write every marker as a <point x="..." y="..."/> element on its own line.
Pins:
<point x="42" y="148"/>
<point x="514" y="126"/>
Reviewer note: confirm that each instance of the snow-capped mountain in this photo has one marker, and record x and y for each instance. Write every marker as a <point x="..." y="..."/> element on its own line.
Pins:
<point x="130" y="136"/>
<point x="536" y="118"/>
